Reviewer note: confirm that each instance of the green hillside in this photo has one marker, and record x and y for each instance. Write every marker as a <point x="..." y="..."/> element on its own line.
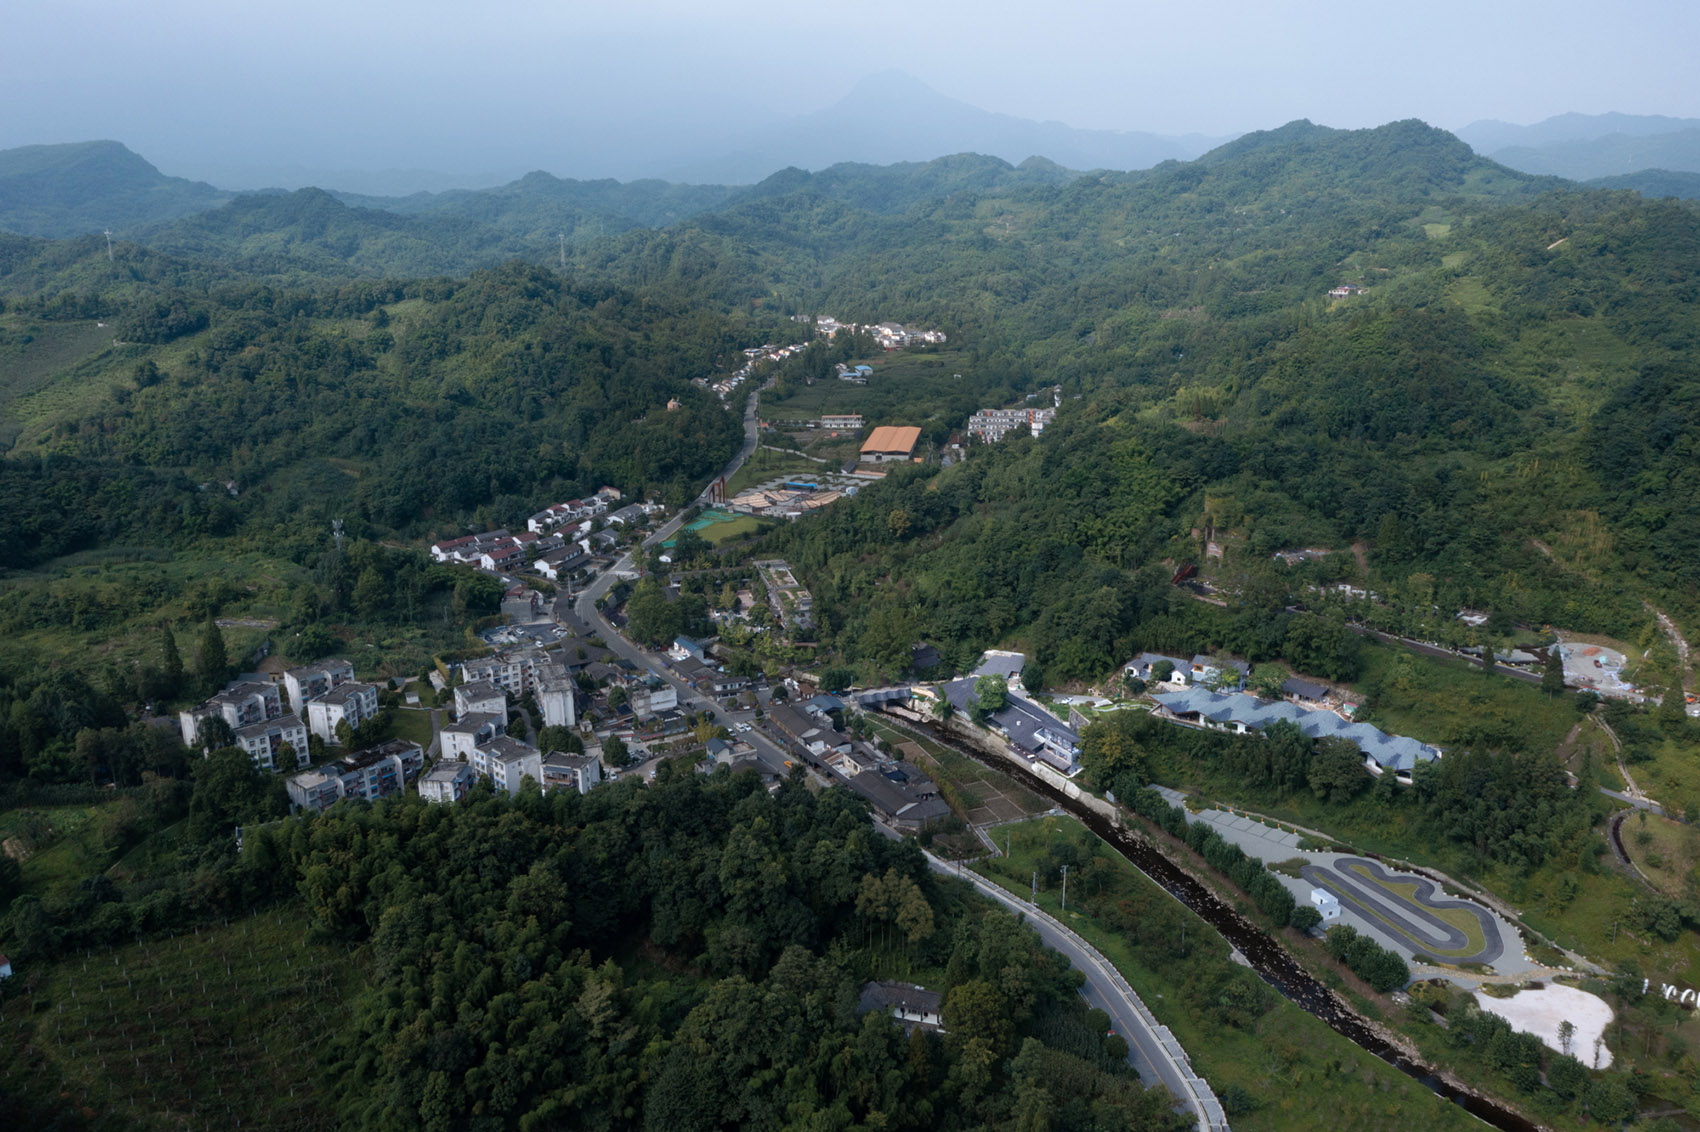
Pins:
<point x="71" y="190"/>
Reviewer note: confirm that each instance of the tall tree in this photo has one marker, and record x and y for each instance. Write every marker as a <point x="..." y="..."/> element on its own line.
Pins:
<point x="1552" y="673"/>
<point x="172" y="662"/>
<point x="212" y="662"/>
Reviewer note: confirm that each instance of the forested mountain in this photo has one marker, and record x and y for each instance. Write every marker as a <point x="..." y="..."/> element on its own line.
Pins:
<point x="1654" y="183"/>
<point x="1612" y="155"/>
<point x="1444" y="416"/>
<point x="1497" y="406"/>
<point x="541" y="205"/>
<point x="387" y="404"/>
<point x="1588" y="147"/>
<point x="310" y="232"/>
<point x="1488" y="136"/>
<point x="69" y="190"/>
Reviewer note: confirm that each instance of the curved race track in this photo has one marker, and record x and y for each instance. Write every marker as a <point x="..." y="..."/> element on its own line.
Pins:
<point x="1413" y="920"/>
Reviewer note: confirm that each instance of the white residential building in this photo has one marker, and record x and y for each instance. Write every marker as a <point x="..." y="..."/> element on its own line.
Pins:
<point x="368" y="775"/>
<point x="461" y="738"/>
<point x="647" y="702"/>
<point x="557" y="699"/>
<point x="351" y="703"/>
<point x="565" y="771"/>
<point x="448" y="781"/>
<point x="514" y="671"/>
<point x="480" y="697"/>
<point x="240" y="704"/>
<point x="265" y="743"/>
<point x="311" y="681"/>
<point x="992" y="425"/>
<point x="507" y="762"/>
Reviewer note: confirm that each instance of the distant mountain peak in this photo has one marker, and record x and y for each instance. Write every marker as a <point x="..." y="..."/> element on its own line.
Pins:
<point x="1584" y="147"/>
<point x="79" y="187"/>
<point x="891" y="117"/>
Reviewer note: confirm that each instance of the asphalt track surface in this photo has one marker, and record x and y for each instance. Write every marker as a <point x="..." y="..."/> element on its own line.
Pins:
<point x="1412" y="919"/>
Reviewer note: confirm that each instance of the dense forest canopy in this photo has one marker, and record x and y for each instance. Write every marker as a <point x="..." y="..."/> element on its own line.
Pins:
<point x="1498" y="407"/>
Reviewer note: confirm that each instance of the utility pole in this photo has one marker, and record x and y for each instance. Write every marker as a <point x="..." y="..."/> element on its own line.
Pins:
<point x="1006" y="844"/>
<point x="109" y="245"/>
<point x="1035" y="900"/>
<point x="1065" y="890"/>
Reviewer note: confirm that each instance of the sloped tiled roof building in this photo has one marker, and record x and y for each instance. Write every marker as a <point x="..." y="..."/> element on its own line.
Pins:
<point x="1397" y="753"/>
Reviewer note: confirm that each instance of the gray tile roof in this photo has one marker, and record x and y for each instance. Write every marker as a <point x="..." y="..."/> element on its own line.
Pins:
<point x="1005" y="666"/>
<point x="1304" y="689"/>
<point x="1391" y="752"/>
<point x="1020" y="719"/>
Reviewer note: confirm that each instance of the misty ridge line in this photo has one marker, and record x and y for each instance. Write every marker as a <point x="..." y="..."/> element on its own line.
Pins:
<point x="890" y="118"/>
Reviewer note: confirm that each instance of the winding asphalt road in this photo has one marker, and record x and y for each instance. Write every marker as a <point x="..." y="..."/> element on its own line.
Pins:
<point x="1152" y="1050"/>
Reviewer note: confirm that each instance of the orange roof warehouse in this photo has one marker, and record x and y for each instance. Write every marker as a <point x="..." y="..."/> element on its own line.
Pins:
<point x="890" y="442"/>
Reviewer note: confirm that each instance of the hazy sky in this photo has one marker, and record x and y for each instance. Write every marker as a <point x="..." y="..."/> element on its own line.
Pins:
<point x="502" y="86"/>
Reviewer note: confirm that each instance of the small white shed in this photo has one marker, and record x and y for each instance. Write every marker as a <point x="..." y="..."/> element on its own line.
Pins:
<point x="1326" y="903"/>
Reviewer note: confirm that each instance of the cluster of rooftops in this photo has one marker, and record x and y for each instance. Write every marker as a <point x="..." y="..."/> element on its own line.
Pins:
<point x="1397" y="753"/>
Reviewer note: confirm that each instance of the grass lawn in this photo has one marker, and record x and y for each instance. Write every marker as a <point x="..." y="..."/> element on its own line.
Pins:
<point x="717" y="527"/>
<point x="1444" y="701"/>
<point x="1666" y="851"/>
<point x="1291" y="1065"/>
<point x="216" y="1028"/>
<point x="733" y="528"/>
<point x="413" y="724"/>
<point x="765" y="464"/>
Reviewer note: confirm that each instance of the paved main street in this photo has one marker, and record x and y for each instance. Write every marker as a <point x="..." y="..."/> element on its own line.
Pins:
<point x="592" y="621"/>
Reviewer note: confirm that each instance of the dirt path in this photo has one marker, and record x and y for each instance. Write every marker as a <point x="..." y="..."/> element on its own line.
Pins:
<point x="1629" y="786"/>
<point x="1677" y="640"/>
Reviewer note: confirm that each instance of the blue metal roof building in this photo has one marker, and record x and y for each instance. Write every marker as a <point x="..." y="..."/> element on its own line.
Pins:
<point x="1397" y="753"/>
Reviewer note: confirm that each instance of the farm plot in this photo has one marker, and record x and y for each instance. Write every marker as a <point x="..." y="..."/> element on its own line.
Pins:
<point x="211" y="1029"/>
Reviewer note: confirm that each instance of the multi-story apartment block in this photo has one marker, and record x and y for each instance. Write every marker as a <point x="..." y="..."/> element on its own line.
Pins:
<point x="311" y="681"/>
<point x="351" y="703"/>
<point x="275" y="744"/>
<point x="448" y="781"/>
<point x="480" y="697"/>
<point x="461" y="737"/>
<point x="240" y="704"/>
<point x="557" y="696"/>
<point x="369" y="775"/>
<point x="565" y="771"/>
<point x="507" y="762"/>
